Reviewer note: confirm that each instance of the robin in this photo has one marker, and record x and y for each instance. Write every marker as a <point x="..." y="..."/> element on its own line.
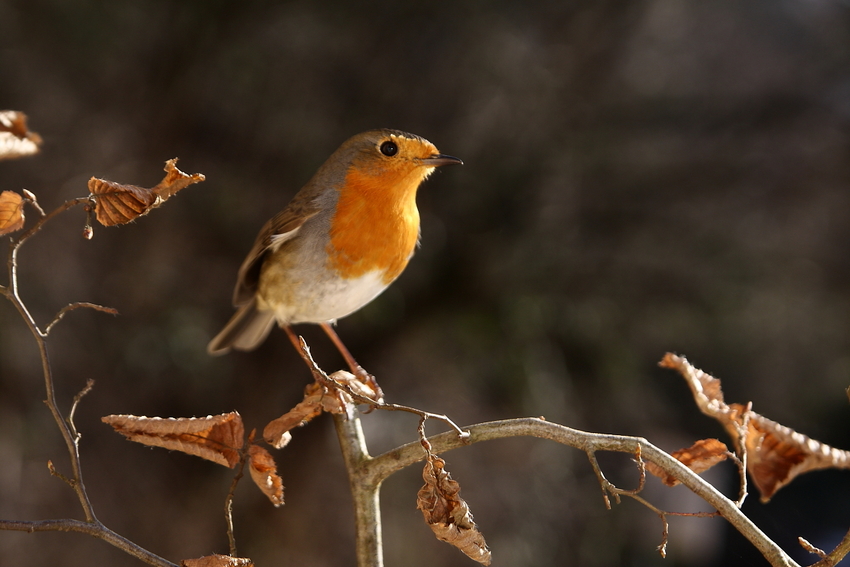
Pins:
<point x="344" y="237"/>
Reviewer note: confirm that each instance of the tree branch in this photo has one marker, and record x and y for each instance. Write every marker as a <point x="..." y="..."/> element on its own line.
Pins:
<point x="365" y="489"/>
<point x="95" y="529"/>
<point x="382" y="466"/>
<point x="77" y="305"/>
<point x="840" y="551"/>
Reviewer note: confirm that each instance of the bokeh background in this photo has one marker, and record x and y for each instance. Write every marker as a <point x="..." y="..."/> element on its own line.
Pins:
<point x="640" y="177"/>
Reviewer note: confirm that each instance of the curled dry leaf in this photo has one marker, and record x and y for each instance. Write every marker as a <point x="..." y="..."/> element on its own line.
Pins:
<point x="116" y="203"/>
<point x="336" y="400"/>
<point x="15" y="138"/>
<point x="276" y="433"/>
<point x="775" y="454"/>
<point x="217" y="561"/>
<point x="447" y="514"/>
<point x="217" y="438"/>
<point x="699" y="457"/>
<point x="317" y="398"/>
<point x="355" y="384"/>
<point x="264" y="473"/>
<point x="11" y="212"/>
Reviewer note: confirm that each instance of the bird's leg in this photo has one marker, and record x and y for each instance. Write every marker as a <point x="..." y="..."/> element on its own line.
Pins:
<point x="293" y="338"/>
<point x="356" y="369"/>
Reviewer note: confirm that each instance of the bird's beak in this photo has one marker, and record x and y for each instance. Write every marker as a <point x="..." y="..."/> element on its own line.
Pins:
<point x="437" y="160"/>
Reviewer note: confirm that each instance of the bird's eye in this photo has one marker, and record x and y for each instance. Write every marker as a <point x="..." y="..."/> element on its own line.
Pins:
<point x="389" y="149"/>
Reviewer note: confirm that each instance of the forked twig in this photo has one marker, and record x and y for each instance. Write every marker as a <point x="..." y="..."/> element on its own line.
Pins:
<point x="67" y="429"/>
<point x="95" y="529"/>
<point x="77" y="305"/>
<point x="382" y="466"/>
<point x="830" y="560"/>
<point x="322" y="377"/>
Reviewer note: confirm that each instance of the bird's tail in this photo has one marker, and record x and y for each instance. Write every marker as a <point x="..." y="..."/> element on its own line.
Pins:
<point x="245" y="331"/>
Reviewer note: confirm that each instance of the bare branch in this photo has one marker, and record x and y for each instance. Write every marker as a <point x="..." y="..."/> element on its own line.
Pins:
<point x="804" y="543"/>
<point x="53" y="472"/>
<point x="39" y="224"/>
<point x="95" y="529"/>
<point x="33" y="201"/>
<point x="86" y="389"/>
<point x="11" y="293"/>
<point x="365" y="489"/>
<point x="603" y="482"/>
<point x="384" y="465"/>
<point x="65" y="428"/>
<point x="665" y="534"/>
<point x="839" y="553"/>
<point x="78" y="305"/>
<point x="228" y="504"/>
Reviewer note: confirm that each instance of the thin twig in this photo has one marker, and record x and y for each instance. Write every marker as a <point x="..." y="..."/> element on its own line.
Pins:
<point x="53" y="472"/>
<point x="33" y="201"/>
<point x="837" y="554"/>
<point x="39" y="224"/>
<point x="86" y="389"/>
<point x="67" y="428"/>
<point x="71" y="440"/>
<point x="662" y="514"/>
<point x="603" y="482"/>
<point x="11" y="293"/>
<point x="78" y="305"/>
<point x="322" y="377"/>
<point x="742" y="474"/>
<point x="461" y="434"/>
<point x="742" y="428"/>
<point x="804" y="543"/>
<point x="228" y="502"/>
<point x="95" y="529"/>
<point x="665" y="536"/>
<point x="423" y="439"/>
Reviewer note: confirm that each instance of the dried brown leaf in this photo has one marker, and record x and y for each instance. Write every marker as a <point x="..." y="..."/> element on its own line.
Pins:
<point x="116" y="203"/>
<point x="217" y="561"/>
<point x="175" y="180"/>
<point x="317" y="398"/>
<point x="276" y="433"/>
<point x="355" y="384"/>
<point x="11" y="212"/>
<point x="447" y="513"/>
<point x="264" y="473"/>
<point x="699" y="457"/>
<point x="15" y="138"/>
<point x="704" y="387"/>
<point x="217" y="438"/>
<point x="775" y="454"/>
<point x="337" y="400"/>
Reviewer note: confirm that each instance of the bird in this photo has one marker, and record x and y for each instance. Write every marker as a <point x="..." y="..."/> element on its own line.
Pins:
<point x="340" y="242"/>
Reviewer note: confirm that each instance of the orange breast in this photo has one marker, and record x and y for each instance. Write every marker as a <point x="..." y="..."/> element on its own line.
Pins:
<point x="376" y="224"/>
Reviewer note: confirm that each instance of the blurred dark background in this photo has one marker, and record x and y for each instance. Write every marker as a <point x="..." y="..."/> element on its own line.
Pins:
<point x="640" y="177"/>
